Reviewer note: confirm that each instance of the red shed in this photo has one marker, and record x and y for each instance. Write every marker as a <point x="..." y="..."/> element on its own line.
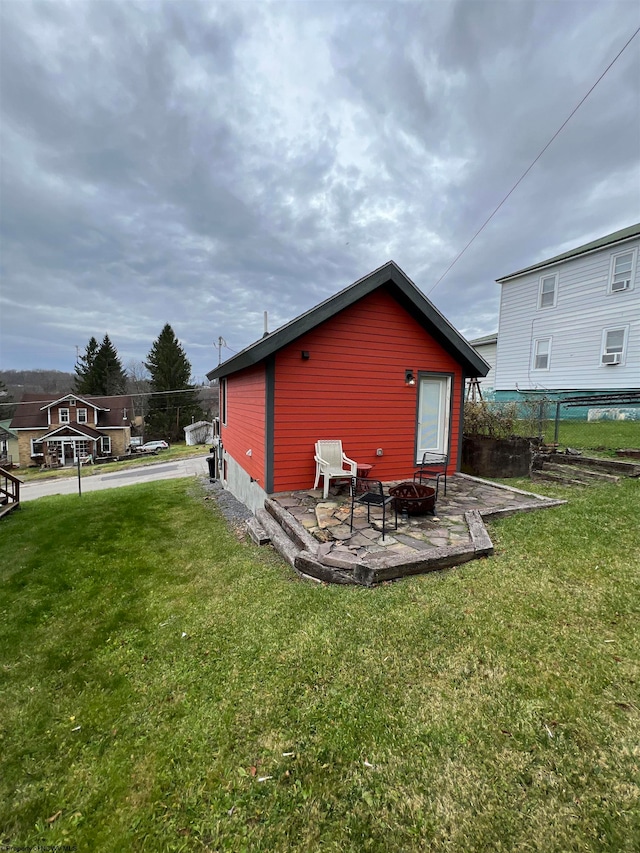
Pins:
<point x="376" y="365"/>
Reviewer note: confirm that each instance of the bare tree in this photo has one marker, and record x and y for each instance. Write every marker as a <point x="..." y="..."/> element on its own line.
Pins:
<point x="139" y="386"/>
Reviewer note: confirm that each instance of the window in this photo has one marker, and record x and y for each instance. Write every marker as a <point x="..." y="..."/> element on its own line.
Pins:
<point x="223" y="400"/>
<point x="73" y="403"/>
<point x="64" y="416"/>
<point x="82" y="448"/>
<point x="105" y="443"/>
<point x="82" y="416"/>
<point x="623" y="267"/>
<point x="541" y="353"/>
<point x="37" y="447"/>
<point x="614" y="345"/>
<point x="548" y="287"/>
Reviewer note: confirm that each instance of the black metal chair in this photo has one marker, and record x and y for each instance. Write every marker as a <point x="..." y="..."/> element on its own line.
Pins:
<point x="371" y="494"/>
<point x="432" y="467"/>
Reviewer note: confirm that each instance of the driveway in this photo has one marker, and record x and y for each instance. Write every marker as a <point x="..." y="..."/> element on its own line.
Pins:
<point x="193" y="466"/>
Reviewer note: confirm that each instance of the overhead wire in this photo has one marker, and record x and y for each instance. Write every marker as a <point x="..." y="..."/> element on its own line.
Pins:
<point x="195" y="390"/>
<point x="530" y="167"/>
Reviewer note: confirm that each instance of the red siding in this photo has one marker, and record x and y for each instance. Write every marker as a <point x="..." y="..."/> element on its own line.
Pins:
<point x="245" y="427"/>
<point x="353" y="388"/>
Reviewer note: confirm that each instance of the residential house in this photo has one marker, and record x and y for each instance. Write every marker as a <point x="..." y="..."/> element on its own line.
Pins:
<point x="487" y="347"/>
<point x="58" y="431"/>
<point x="376" y="366"/>
<point x="570" y="324"/>
<point x="8" y="444"/>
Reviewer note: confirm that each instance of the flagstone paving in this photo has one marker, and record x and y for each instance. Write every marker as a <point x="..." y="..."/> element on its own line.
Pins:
<point x="328" y="521"/>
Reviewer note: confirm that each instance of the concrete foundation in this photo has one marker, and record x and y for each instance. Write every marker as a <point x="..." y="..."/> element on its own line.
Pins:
<point x="242" y="487"/>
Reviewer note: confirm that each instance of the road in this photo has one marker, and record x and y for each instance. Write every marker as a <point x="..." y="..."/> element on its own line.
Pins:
<point x="192" y="466"/>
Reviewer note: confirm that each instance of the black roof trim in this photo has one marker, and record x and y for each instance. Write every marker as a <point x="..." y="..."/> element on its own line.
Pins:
<point x="401" y="287"/>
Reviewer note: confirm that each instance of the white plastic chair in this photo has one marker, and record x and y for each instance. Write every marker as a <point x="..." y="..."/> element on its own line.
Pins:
<point x="330" y="462"/>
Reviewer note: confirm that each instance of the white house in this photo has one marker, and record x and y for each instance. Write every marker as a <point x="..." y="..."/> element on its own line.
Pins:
<point x="487" y="347"/>
<point x="572" y="323"/>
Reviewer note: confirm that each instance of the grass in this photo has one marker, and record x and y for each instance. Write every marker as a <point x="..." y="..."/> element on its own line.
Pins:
<point x="601" y="437"/>
<point x="154" y="670"/>
<point x="176" y="451"/>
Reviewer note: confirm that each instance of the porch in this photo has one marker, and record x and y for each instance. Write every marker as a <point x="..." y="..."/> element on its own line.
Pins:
<point x="70" y="445"/>
<point x="314" y="535"/>
<point x="9" y="492"/>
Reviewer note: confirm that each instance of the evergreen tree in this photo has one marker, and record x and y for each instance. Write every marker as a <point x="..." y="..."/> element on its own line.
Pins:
<point x="170" y="370"/>
<point x="110" y="375"/>
<point x="85" y="377"/>
<point x="99" y="372"/>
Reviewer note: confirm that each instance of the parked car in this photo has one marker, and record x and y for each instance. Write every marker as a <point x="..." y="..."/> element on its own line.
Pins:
<point x="152" y="446"/>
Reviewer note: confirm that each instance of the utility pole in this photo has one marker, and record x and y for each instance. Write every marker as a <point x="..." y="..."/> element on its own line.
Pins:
<point x="221" y="343"/>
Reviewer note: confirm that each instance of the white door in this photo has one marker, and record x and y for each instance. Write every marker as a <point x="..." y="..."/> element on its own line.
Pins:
<point x="433" y="415"/>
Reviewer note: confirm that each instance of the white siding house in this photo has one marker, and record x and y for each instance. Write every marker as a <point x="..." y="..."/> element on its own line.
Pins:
<point x="487" y="348"/>
<point x="572" y="323"/>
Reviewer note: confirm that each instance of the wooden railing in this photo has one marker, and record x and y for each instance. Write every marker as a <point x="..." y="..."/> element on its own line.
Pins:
<point x="9" y="492"/>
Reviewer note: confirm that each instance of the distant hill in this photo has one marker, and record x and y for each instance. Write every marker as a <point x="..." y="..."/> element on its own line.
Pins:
<point x="47" y="382"/>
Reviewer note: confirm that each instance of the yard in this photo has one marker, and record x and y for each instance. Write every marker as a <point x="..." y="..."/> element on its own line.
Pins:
<point x="601" y="437"/>
<point x="166" y="687"/>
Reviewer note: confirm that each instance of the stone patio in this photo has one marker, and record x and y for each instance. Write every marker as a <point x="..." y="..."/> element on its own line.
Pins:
<point x="319" y="543"/>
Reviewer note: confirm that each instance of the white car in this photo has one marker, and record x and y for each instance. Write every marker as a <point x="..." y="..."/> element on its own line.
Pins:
<point x="152" y="446"/>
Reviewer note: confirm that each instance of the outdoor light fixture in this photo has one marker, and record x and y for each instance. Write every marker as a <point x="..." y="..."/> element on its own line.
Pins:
<point x="409" y="378"/>
<point x="304" y="354"/>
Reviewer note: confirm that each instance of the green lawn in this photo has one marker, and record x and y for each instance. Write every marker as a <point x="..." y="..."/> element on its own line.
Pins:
<point x="601" y="437"/>
<point x="165" y="687"/>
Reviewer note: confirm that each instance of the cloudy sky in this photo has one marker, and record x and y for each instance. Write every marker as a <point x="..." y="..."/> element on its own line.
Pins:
<point x="199" y="163"/>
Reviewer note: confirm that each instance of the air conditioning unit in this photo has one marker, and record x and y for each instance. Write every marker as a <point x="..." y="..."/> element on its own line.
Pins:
<point x="612" y="358"/>
<point x="623" y="284"/>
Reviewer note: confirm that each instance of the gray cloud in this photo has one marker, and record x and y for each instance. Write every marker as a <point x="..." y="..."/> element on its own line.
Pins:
<point x="200" y="163"/>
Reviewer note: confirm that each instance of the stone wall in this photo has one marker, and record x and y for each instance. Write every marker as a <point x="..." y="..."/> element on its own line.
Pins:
<point x="496" y="457"/>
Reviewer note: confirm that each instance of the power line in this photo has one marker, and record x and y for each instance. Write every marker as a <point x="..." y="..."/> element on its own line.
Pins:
<point x="110" y="396"/>
<point x="526" y="172"/>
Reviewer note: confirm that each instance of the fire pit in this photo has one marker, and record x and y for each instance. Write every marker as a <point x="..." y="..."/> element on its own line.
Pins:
<point x="414" y="498"/>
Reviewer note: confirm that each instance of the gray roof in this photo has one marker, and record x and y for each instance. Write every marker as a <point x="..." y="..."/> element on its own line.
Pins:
<point x="5" y="427"/>
<point x="609" y="240"/>
<point x="400" y="286"/>
<point x="487" y="339"/>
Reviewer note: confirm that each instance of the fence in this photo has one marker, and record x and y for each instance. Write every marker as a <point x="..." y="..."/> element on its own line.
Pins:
<point x="601" y="424"/>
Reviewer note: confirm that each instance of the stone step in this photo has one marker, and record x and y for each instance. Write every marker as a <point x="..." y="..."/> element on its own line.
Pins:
<point x="291" y="526"/>
<point x="613" y="466"/>
<point x="257" y="532"/>
<point x="552" y="477"/>
<point x="309" y="566"/>
<point x="580" y="473"/>
<point x="630" y="452"/>
<point x="287" y="549"/>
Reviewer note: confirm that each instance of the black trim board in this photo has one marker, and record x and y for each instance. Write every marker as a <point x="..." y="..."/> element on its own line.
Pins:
<point x="270" y="396"/>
